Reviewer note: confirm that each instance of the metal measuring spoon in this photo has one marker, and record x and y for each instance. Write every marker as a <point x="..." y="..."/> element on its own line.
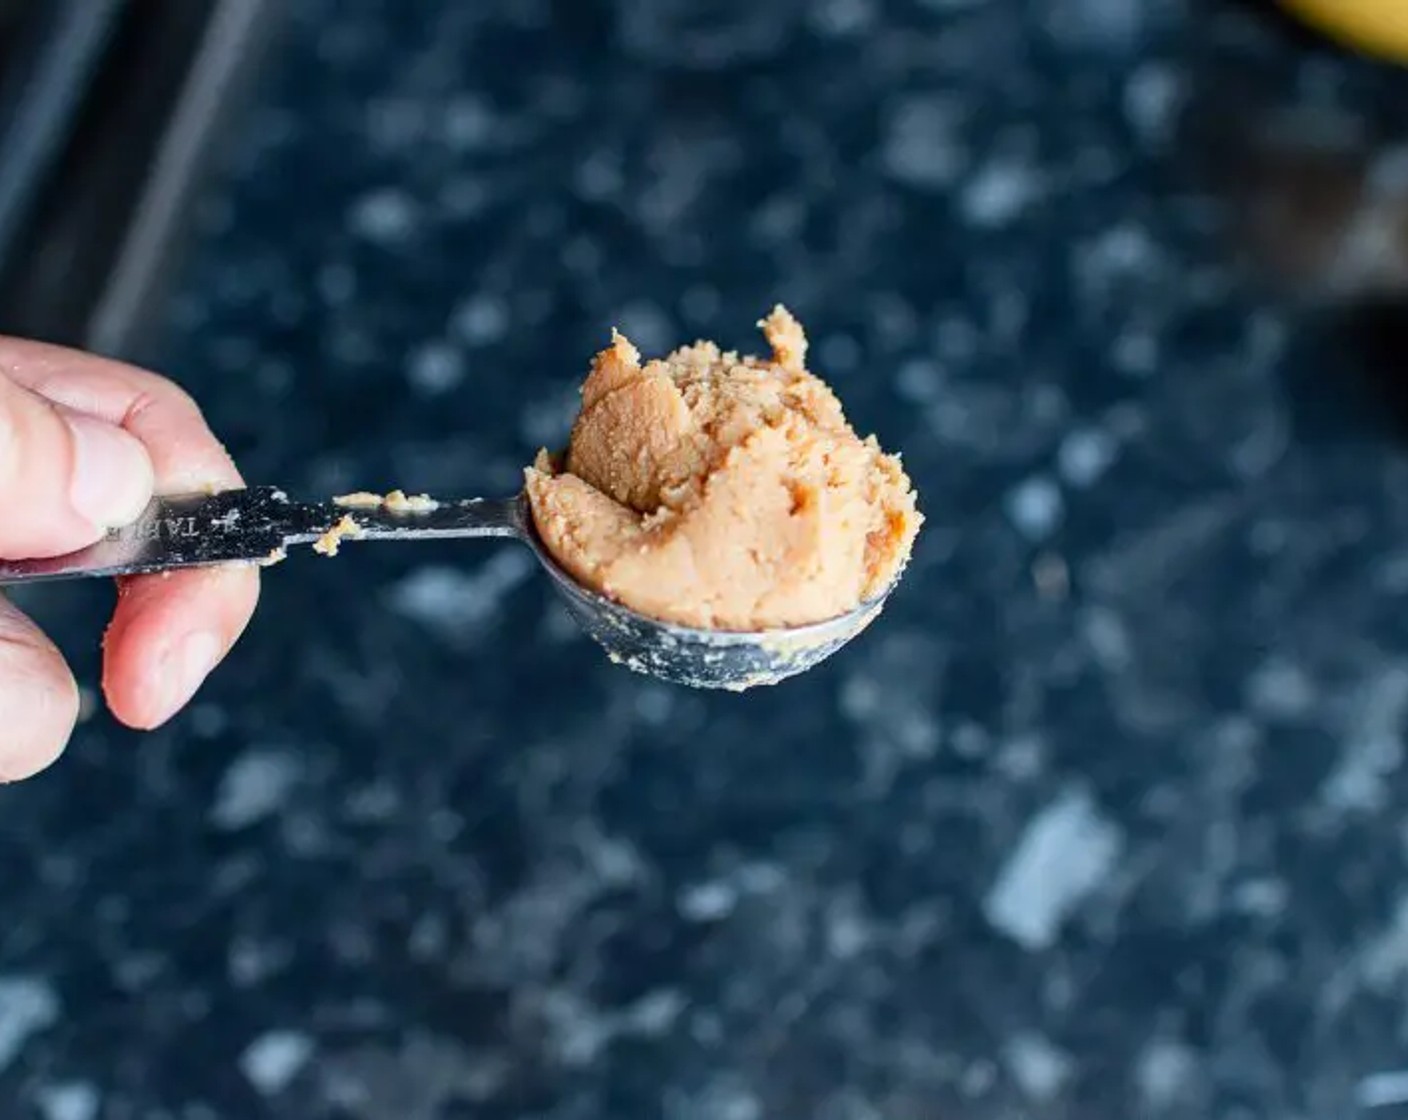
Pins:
<point x="257" y="525"/>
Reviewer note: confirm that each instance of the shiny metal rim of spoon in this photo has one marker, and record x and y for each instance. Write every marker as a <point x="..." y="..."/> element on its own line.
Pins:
<point x="259" y="524"/>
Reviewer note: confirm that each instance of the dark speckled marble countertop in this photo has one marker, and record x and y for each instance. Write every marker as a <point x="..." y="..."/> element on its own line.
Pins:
<point x="1104" y="820"/>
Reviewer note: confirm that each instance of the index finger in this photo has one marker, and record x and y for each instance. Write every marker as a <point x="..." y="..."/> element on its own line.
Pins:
<point x="170" y="630"/>
<point x="186" y="456"/>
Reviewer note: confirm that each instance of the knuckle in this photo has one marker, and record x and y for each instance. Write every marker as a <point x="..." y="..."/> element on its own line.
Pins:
<point x="157" y="392"/>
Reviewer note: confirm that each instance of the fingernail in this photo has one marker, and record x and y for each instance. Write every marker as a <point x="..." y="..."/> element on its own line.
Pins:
<point x="186" y="668"/>
<point x="112" y="474"/>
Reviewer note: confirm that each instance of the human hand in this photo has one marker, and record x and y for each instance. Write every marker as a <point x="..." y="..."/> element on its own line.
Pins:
<point x="84" y="444"/>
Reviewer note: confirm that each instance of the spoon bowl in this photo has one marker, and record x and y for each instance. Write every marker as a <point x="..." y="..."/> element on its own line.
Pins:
<point x="684" y="655"/>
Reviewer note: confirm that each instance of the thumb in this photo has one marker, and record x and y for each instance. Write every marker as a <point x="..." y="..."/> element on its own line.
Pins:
<point x="38" y="697"/>
<point x="65" y="476"/>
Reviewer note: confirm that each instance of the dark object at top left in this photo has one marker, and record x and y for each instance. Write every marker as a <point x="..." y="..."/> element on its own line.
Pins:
<point x="110" y="113"/>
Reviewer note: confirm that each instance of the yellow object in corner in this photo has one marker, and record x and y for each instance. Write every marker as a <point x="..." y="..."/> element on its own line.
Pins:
<point x="1375" y="26"/>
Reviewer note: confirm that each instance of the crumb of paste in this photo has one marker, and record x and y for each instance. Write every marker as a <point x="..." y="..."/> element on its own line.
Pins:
<point x="398" y="501"/>
<point x="723" y="492"/>
<point x="362" y="499"/>
<point x="278" y="556"/>
<point x="329" y="543"/>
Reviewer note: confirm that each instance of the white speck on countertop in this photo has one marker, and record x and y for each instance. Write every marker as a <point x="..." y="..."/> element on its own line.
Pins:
<point x="724" y="1098"/>
<point x="1382" y="1090"/>
<point x="1021" y="758"/>
<point x="429" y="937"/>
<point x="598" y="176"/>
<point x="654" y="1014"/>
<point x="255" y="785"/>
<point x="28" y="1005"/>
<point x="1035" y="508"/>
<point x="252" y="959"/>
<point x="1164" y="1072"/>
<point x="708" y="901"/>
<point x="481" y="320"/>
<point x="387" y="216"/>
<point x="848" y="929"/>
<point x="978" y="1078"/>
<point x="1135" y="352"/>
<point x="924" y="145"/>
<point x="434" y="368"/>
<point x="1263" y="897"/>
<point x="1107" y="24"/>
<point x="999" y="192"/>
<point x="1280" y="689"/>
<point x="969" y="740"/>
<point x="1065" y="853"/>
<point x="577" y="1031"/>
<point x="654" y="705"/>
<point x="1383" y="961"/>
<point x="919" y="381"/>
<point x="1107" y="636"/>
<point x="1106" y="264"/>
<point x="69" y="1100"/>
<point x="1153" y="96"/>
<point x="1084" y="455"/>
<point x="1372" y="748"/>
<point x="468" y="122"/>
<point x="1036" y="1066"/>
<point x="839" y="18"/>
<point x="273" y="1060"/>
<point x="453" y="602"/>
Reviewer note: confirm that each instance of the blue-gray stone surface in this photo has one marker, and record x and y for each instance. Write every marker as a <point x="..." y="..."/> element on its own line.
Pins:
<point x="1104" y="819"/>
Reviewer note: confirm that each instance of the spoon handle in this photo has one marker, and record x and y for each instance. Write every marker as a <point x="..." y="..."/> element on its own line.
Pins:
<point x="255" y="526"/>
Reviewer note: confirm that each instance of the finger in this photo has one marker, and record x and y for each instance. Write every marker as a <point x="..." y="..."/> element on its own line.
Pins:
<point x="185" y="456"/>
<point x="168" y="630"/>
<point x="65" y="476"/>
<point x="168" y="633"/>
<point x="38" y="697"/>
